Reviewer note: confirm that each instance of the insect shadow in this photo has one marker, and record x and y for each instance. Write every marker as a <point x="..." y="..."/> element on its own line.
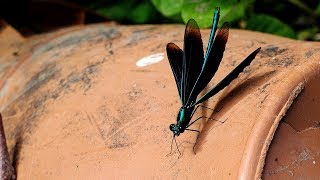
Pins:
<point x="228" y="99"/>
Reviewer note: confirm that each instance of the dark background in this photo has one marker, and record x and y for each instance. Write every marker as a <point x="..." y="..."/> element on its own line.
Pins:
<point x="293" y="18"/>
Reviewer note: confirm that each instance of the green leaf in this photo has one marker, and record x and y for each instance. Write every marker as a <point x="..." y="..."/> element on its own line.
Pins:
<point x="141" y="13"/>
<point x="308" y="34"/>
<point x="270" y="24"/>
<point x="129" y="11"/>
<point x="169" y="7"/>
<point x="233" y="13"/>
<point x="247" y="1"/>
<point x="202" y="11"/>
<point x="116" y="12"/>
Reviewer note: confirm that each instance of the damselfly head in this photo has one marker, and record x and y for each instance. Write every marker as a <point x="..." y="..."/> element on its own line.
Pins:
<point x="175" y="129"/>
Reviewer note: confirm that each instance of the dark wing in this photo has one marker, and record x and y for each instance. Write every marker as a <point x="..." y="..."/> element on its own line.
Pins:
<point x="175" y="56"/>
<point x="192" y="58"/>
<point x="212" y="61"/>
<point x="229" y="78"/>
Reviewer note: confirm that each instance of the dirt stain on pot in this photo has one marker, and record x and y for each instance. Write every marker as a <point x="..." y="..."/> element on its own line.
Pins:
<point x="46" y="73"/>
<point x="271" y="51"/>
<point x="74" y="39"/>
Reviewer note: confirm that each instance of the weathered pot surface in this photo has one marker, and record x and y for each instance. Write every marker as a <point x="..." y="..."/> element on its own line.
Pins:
<point x="76" y="106"/>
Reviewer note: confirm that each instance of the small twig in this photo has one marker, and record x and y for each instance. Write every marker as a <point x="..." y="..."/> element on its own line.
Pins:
<point x="6" y="168"/>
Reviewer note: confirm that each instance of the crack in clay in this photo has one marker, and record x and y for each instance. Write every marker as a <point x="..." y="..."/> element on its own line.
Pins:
<point x="303" y="156"/>
<point x="264" y="87"/>
<point x="263" y="100"/>
<point x="305" y="130"/>
<point x="113" y="131"/>
<point x="118" y="140"/>
<point x="94" y="123"/>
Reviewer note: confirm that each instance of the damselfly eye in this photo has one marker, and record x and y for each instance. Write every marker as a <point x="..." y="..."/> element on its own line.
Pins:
<point x="171" y="127"/>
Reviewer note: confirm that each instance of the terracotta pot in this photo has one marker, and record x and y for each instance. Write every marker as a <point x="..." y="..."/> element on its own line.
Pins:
<point x="76" y="106"/>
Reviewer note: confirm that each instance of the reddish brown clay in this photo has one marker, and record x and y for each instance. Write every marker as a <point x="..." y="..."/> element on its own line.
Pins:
<point x="294" y="152"/>
<point x="76" y="106"/>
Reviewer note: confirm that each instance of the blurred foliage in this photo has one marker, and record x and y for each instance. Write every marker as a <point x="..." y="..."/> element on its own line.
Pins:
<point x="128" y="12"/>
<point x="292" y="18"/>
